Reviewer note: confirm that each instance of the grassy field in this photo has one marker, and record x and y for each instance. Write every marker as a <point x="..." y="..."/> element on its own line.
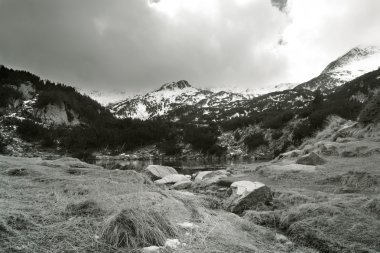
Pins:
<point x="68" y="206"/>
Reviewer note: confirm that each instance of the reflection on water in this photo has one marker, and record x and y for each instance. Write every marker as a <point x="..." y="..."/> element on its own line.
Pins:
<point x="183" y="167"/>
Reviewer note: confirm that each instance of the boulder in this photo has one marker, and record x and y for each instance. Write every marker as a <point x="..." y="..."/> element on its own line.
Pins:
<point x="311" y="159"/>
<point x="209" y="181"/>
<point x="290" y="154"/>
<point x="172" y="179"/>
<point x="211" y="175"/>
<point x="181" y="185"/>
<point x="247" y="195"/>
<point x="157" y="171"/>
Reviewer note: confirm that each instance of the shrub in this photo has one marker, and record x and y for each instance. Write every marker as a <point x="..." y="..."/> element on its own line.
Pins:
<point x="371" y="111"/>
<point x="301" y="131"/>
<point x="134" y="228"/>
<point x="202" y="138"/>
<point x="255" y="140"/>
<point x="3" y="145"/>
<point x="30" y="131"/>
<point x="278" y="121"/>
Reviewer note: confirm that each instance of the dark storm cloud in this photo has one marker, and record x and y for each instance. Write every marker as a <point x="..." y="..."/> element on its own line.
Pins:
<point x="140" y="44"/>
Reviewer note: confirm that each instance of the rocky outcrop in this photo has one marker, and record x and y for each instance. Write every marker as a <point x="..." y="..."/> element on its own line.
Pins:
<point x="247" y="195"/>
<point x="156" y="172"/>
<point x="54" y="114"/>
<point x="311" y="159"/>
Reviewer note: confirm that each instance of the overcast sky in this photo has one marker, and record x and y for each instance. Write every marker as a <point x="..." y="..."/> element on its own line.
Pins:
<point x="137" y="45"/>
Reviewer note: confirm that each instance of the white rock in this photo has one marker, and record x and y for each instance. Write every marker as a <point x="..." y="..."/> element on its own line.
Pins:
<point x="245" y="187"/>
<point x="158" y="171"/>
<point x="172" y="179"/>
<point x="151" y="249"/>
<point x="172" y="243"/>
<point x="181" y="185"/>
<point x="187" y="225"/>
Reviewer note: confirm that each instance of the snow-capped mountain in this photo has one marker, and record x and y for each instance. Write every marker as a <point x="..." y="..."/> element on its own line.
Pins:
<point x="105" y="97"/>
<point x="171" y="96"/>
<point x="356" y="62"/>
<point x="179" y="99"/>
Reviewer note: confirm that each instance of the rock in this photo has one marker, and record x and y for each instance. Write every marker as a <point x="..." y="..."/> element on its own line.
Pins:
<point x="181" y="185"/>
<point x="172" y="243"/>
<point x="157" y="171"/>
<point x="311" y="159"/>
<point x="215" y="175"/>
<point x="247" y="195"/>
<point x="151" y="249"/>
<point x="209" y="182"/>
<point x="281" y="238"/>
<point x="187" y="225"/>
<point x="291" y="154"/>
<point x="174" y="178"/>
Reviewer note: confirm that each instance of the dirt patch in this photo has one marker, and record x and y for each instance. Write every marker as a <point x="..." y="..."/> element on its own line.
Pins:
<point x="75" y="171"/>
<point x="17" y="172"/>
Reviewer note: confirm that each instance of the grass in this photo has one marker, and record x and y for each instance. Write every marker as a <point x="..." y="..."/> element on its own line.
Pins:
<point x="84" y="208"/>
<point x="134" y="228"/>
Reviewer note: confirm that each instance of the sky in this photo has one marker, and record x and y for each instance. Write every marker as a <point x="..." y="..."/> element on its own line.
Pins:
<point x="138" y="45"/>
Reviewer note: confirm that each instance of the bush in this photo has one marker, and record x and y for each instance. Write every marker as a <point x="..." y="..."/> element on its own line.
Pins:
<point x="135" y="228"/>
<point x="202" y="138"/>
<point x="278" y="121"/>
<point x="30" y="131"/>
<point x="3" y="145"/>
<point x="302" y="131"/>
<point x="371" y="111"/>
<point x="255" y="140"/>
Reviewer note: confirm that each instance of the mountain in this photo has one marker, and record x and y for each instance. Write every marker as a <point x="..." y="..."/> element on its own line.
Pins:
<point x="179" y="100"/>
<point x="105" y="97"/>
<point x="354" y="63"/>
<point x="172" y="96"/>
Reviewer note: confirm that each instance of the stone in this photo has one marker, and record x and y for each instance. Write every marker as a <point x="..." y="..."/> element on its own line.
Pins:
<point x="151" y="249"/>
<point x="172" y="243"/>
<point x="247" y="195"/>
<point x="205" y="175"/>
<point x="182" y="185"/>
<point x="172" y="179"/>
<point x="311" y="159"/>
<point x="157" y="171"/>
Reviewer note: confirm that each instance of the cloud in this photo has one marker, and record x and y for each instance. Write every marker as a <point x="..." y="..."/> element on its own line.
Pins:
<point x="139" y="44"/>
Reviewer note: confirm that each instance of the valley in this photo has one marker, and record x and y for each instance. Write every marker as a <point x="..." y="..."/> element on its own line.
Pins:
<point x="183" y="169"/>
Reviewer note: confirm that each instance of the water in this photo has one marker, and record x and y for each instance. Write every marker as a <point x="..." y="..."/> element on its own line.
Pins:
<point x="183" y="167"/>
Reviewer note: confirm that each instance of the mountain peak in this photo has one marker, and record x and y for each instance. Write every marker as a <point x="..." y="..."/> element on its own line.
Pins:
<point x="357" y="53"/>
<point x="182" y="84"/>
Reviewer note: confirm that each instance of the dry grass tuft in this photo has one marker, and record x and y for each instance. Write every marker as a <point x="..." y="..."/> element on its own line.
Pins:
<point x="84" y="208"/>
<point x="352" y="181"/>
<point x="17" y="172"/>
<point x="373" y="206"/>
<point x="134" y="228"/>
<point x="20" y="222"/>
<point x="5" y="230"/>
<point x="263" y="218"/>
<point x="334" y="226"/>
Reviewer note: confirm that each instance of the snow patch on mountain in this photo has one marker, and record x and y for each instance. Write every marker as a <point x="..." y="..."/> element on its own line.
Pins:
<point x="105" y="97"/>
